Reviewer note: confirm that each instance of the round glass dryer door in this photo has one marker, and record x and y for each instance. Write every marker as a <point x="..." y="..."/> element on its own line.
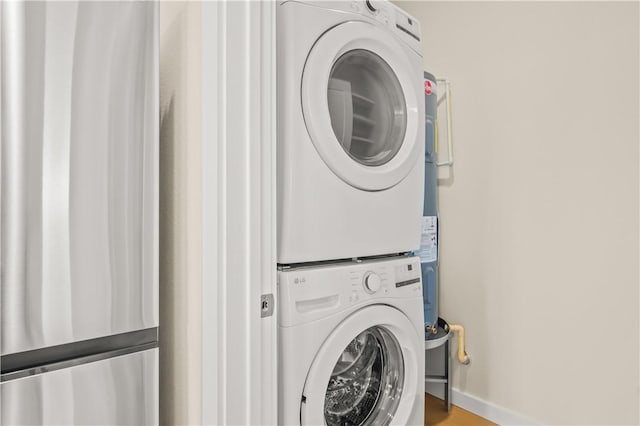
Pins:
<point x="365" y="372"/>
<point x="367" y="107"/>
<point x="361" y="105"/>
<point x="366" y="383"/>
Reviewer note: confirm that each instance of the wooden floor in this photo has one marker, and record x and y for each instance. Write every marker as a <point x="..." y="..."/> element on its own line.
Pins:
<point x="436" y="414"/>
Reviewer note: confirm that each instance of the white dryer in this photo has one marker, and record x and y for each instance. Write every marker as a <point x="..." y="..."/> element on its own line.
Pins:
<point x="350" y="130"/>
<point x="351" y="344"/>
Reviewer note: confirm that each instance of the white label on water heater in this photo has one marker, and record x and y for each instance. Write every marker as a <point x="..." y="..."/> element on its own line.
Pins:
<point x="429" y="239"/>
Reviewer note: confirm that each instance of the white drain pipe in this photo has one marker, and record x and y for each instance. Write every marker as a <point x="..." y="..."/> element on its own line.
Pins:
<point x="463" y="358"/>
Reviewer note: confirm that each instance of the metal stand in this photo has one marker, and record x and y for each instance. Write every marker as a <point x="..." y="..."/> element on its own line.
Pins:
<point x="442" y="337"/>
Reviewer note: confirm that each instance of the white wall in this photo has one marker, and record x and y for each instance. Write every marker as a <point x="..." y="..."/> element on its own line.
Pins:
<point x="180" y="207"/>
<point x="239" y="377"/>
<point x="217" y="246"/>
<point x="539" y="244"/>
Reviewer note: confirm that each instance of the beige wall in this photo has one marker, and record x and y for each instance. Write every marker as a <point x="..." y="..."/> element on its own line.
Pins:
<point x="180" y="222"/>
<point x="539" y="254"/>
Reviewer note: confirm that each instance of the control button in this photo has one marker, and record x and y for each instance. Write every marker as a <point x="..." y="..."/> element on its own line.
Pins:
<point x="372" y="282"/>
<point x="371" y="4"/>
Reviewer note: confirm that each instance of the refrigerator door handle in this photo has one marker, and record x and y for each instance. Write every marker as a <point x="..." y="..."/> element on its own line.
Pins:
<point x="14" y="152"/>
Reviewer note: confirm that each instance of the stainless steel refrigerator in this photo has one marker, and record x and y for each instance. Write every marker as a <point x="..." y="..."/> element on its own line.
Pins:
<point x="79" y="206"/>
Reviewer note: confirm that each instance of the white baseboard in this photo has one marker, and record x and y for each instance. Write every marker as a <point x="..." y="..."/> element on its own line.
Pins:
<point x="482" y="408"/>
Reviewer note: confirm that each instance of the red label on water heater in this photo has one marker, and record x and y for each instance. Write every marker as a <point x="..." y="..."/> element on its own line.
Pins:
<point x="428" y="87"/>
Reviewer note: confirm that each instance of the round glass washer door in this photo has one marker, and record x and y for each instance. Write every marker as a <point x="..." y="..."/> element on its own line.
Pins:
<point x="360" y="101"/>
<point x="366" y="383"/>
<point x="367" y="107"/>
<point x="361" y="374"/>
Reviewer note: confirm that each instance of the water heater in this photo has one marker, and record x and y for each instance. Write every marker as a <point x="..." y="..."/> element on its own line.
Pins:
<point x="429" y="238"/>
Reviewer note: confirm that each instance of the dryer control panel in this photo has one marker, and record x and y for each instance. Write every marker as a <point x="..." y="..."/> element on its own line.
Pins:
<point x="310" y="293"/>
<point x="403" y="25"/>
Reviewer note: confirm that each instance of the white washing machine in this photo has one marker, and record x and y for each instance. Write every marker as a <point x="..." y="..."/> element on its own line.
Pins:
<point x="350" y="130"/>
<point x="351" y="344"/>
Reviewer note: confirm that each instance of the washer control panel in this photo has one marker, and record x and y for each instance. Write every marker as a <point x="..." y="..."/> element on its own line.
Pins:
<point x="310" y="293"/>
<point x="371" y="282"/>
<point x="407" y="275"/>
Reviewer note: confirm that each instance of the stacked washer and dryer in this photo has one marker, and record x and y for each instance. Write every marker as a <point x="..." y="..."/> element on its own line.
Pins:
<point x="350" y="188"/>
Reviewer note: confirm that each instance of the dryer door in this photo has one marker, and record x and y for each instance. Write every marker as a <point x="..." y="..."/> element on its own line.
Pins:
<point x="361" y="105"/>
<point x="365" y="372"/>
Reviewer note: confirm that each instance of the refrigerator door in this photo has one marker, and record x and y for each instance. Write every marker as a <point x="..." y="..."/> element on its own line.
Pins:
<point x="115" y="391"/>
<point x="80" y="171"/>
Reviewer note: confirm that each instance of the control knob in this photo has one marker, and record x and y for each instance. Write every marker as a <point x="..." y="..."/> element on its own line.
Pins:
<point x="372" y="282"/>
<point x="373" y="5"/>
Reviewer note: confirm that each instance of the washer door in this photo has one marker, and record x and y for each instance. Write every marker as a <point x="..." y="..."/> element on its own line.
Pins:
<point x="360" y="105"/>
<point x="362" y="375"/>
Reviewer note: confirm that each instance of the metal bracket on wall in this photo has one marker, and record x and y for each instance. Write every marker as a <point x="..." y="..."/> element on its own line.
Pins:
<point x="447" y="98"/>
<point x="266" y="305"/>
